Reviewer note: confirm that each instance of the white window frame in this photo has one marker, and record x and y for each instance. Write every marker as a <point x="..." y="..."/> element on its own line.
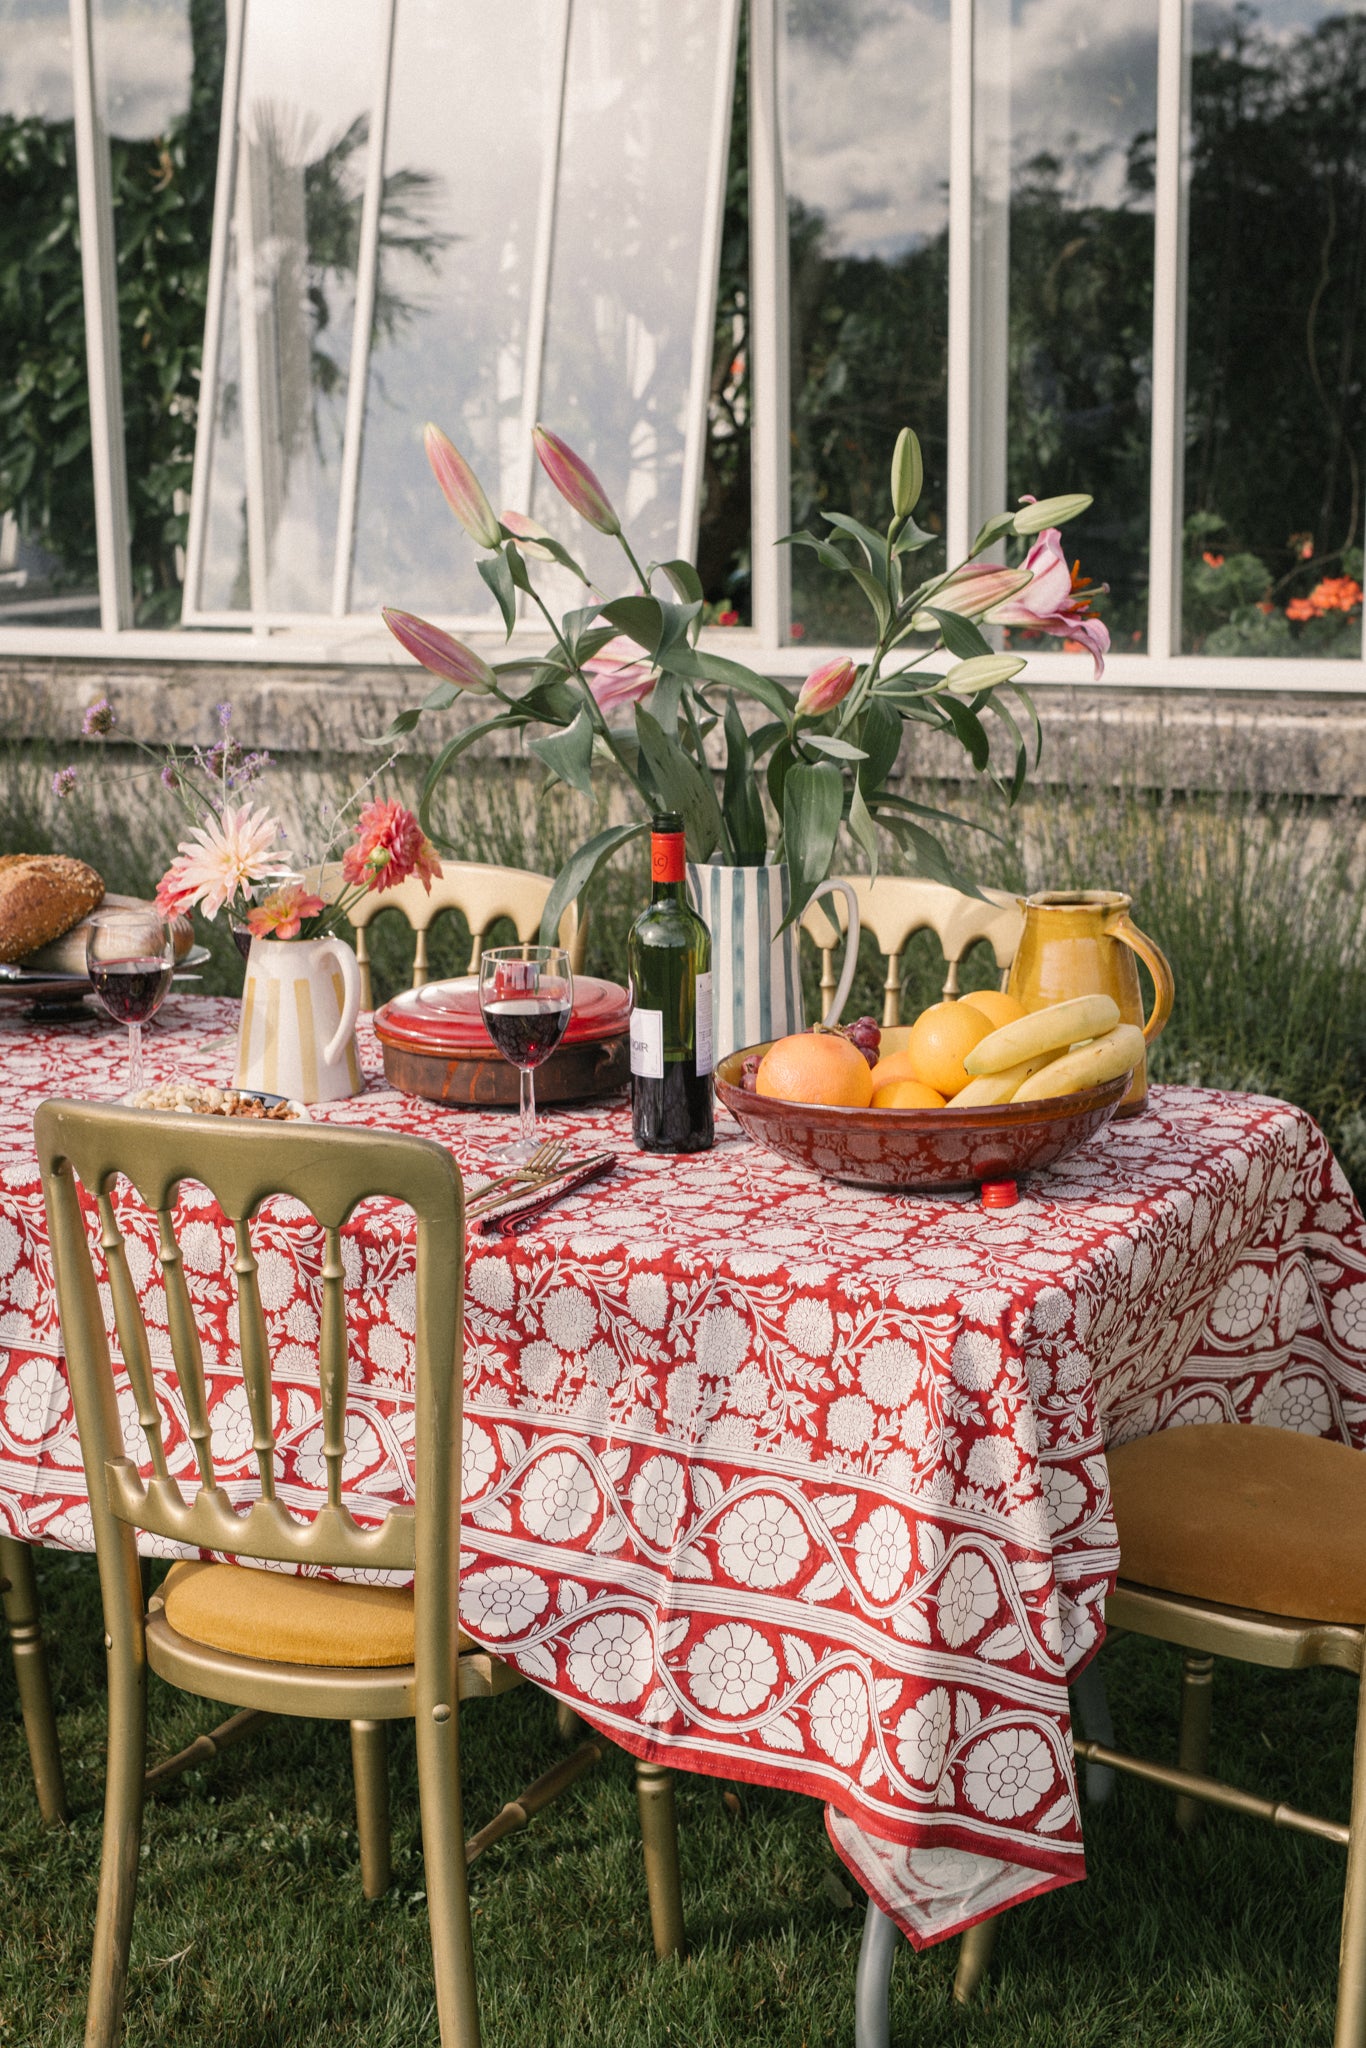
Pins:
<point x="975" y="372"/>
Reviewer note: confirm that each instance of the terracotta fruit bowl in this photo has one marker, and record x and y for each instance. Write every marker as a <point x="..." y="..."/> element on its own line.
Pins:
<point x="919" y="1148"/>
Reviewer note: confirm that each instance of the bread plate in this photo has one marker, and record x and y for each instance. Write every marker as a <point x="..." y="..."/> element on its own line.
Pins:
<point x="916" y="1150"/>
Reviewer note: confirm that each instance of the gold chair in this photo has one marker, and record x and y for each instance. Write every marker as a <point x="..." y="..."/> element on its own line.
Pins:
<point x="271" y="1642"/>
<point x="19" y="1595"/>
<point x="1250" y="1543"/>
<point x="895" y="907"/>
<point x="483" y="894"/>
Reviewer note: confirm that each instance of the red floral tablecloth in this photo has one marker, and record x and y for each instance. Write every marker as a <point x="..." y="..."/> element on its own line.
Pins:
<point x="770" y="1477"/>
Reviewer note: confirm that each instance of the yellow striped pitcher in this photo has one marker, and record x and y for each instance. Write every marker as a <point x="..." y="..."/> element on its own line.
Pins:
<point x="297" y="1035"/>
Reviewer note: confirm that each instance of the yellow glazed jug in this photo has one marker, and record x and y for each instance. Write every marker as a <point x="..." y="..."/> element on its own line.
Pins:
<point x="1082" y="942"/>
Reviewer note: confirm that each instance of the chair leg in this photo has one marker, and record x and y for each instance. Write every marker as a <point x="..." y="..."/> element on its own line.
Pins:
<point x="370" y="1768"/>
<point x="974" y="1957"/>
<point x="125" y="1763"/>
<point x="448" y="1900"/>
<point x="567" y="1722"/>
<point x="1350" y="2028"/>
<point x="659" y="1835"/>
<point x="19" y="1592"/>
<point x="1091" y="1709"/>
<point x="1192" y="1751"/>
<point x="877" y="1953"/>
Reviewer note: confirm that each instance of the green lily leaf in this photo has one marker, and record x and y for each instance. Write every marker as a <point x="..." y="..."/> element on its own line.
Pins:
<point x="874" y="545"/>
<point x="992" y="529"/>
<point x="961" y="637"/>
<point x="813" y="803"/>
<point x="517" y="568"/>
<point x="556" y="700"/>
<point x="781" y="761"/>
<point x="863" y="830"/>
<point x="677" y="623"/>
<point x="683" y="577"/>
<point x="969" y="728"/>
<point x="932" y="862"/>
<point x="579" y="870"/>
<point x="498" y="576"/>
<point x="881" y="735"/>
<point x="765" y="736"/>
<point x="825" y="551"/>
<point x="1021" y="769"/>
<point x="506" y="721"/>
<point x="665" y="700"/>
<point x="639" y="618"/>
<point x="906" y="807"/>
<point x="838" y="750"/>
<point x="875" y="594"/>
<point x="912" y="539"/>
<point x="907" y="687"/>
<point x="569" y="754"/>
<point x="681" y="785"/>
<point x="1022" y="696"/>
<point x="403" y="724"/>
<point x="741" y="805"/>
<point x="732" y="675"/>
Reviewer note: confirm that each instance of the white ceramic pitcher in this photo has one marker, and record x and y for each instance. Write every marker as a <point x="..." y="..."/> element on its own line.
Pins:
<point x="297" y="1035"/>
<point x="756" y="979"/>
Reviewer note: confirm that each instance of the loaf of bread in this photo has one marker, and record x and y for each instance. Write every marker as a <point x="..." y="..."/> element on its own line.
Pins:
<point x="41" y="896"/>
<point x="67" y="954"/>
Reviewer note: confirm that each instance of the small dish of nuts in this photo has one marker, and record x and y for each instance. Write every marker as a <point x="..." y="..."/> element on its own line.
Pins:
<point x="194" y="1098"/>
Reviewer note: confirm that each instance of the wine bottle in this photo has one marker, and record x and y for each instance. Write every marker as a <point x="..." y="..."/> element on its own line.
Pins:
<point x="670" y="963"/>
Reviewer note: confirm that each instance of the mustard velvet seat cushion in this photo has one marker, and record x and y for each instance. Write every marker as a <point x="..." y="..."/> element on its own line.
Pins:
<point x="287" y="1620"/>
<point x="1245" y="1517"/>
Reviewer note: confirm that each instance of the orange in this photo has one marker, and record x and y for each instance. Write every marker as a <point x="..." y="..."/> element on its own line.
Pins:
<point x="941" y="1039"/>
<point x="997" y="1007"/>
<point x="816" y="1066"/>
<point x="907" y="1095"/>
<point x="897" y="1066"/>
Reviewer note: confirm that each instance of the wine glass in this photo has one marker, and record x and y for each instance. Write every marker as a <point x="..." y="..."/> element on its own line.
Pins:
<point x="526" y="994"/>
<point x="129" y="956"/>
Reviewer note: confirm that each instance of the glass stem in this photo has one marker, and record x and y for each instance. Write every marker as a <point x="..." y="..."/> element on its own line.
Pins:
<point x="134" y="1059"/>
<point x="528" y="1104"/>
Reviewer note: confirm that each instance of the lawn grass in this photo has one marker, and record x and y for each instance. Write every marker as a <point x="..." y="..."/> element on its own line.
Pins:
<point x="251" y="1931"/>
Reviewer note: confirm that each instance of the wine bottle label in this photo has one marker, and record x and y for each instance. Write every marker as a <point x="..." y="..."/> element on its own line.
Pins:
<point x="647" y="1044"/>
<point x="704" y="1056"/>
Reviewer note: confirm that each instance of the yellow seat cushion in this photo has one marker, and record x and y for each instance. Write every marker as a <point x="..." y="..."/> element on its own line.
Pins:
<point x="287" y="1620"/>
<point x="1244" y="1517"/>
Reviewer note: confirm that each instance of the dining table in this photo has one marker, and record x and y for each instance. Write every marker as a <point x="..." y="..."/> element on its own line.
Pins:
<point x="766" y="1476"/>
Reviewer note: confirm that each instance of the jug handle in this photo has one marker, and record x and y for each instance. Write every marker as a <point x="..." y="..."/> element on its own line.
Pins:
<point x="350" y="974"/>
<point x="846" y="980"/>
<point x="1155" y="960"/>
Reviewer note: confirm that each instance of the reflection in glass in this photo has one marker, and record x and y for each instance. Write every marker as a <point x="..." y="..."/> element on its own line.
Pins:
<point x="625" y="280"/>
<point x="47" y="498"/>
<point x="866" y="152"/>
<point x="303" y="133"/>
<point x="1065" y="214"/>
<point x="1276" y="351"/>
<point x="450" y="329"/>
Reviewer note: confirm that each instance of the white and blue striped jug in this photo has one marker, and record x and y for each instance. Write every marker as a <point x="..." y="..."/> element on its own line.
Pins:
<point x="756" y="982"/>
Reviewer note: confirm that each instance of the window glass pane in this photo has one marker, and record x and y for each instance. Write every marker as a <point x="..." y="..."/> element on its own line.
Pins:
<point x="866" y="155"/>
<point x="725" y="530"/>
<point x="159" y="66"/>
<point x="47" y="500"/>
<point x="1276" y="363"/>
<point x="458" y="247"/>
<point x="637" y="168"/>
<point x="1067" y="108"/>
<point x="303" y="132"/>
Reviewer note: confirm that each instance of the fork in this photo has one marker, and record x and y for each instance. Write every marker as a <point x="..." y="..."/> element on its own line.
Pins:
<point x="540" y="1167"/>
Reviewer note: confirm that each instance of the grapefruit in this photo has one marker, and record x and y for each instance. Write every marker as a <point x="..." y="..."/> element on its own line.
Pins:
<point x="941" y="1039"/>
<point x="997" y="1007"/>
<point x="816" y="1066"/>
<point x="907" y="1095"/>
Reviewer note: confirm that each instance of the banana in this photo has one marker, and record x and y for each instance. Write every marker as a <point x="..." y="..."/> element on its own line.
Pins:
<point x="1118" y="1052"/>
<point x="1042" y="1031"/>
<point x="989" y="1089"/>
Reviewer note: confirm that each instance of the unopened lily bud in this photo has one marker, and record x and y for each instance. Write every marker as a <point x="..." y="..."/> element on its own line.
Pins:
<point x="908" y="473"/>
<point x="982" y="672"/>
<point x="1034" y="517"/>
<point x="528" y="535"/>
<point x="438" y="652"/>
<point x="461" y="489"/>
<point x="575" y="481"/>
<point x="826" y="687"/>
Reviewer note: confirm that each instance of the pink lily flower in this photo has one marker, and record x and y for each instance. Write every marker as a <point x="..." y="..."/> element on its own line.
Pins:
<point x="825" y="687"/>
<point x="618" y="674"/>
<point x="438" y="652"/>
<point x="461" y="488"/>
<point x="575" y="481"/>
<point x="1053" y="602"/>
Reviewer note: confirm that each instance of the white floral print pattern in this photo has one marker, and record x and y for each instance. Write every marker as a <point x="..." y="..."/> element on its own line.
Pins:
<point x="882" y="1553"/>
<point x="839" y="1715"/>
<point x="922" y="1736"/>
<point x="1008" y="1772"/>
<point x="503" y="1600"/>
<point x="559" y="1497"/>
<point x="968" y="1597"/>
<point x="761" y="1541"/>
<point x="732" y="1670"/>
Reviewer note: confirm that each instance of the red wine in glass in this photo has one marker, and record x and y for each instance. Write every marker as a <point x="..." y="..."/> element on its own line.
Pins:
<point x="526" y="994"/>
<point x="526" y="1029"/>
<point x="129" y="956"/>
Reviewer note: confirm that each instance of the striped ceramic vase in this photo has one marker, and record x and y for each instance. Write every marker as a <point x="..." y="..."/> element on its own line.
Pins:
<point x="297" y="1034"/>
<point x="756" y="982"/>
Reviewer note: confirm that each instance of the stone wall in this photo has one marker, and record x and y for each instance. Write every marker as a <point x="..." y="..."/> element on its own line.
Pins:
<point x="1314" y="746"/>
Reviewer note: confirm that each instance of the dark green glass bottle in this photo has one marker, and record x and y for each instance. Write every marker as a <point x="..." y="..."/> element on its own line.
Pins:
<point x="670" y="964"/>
